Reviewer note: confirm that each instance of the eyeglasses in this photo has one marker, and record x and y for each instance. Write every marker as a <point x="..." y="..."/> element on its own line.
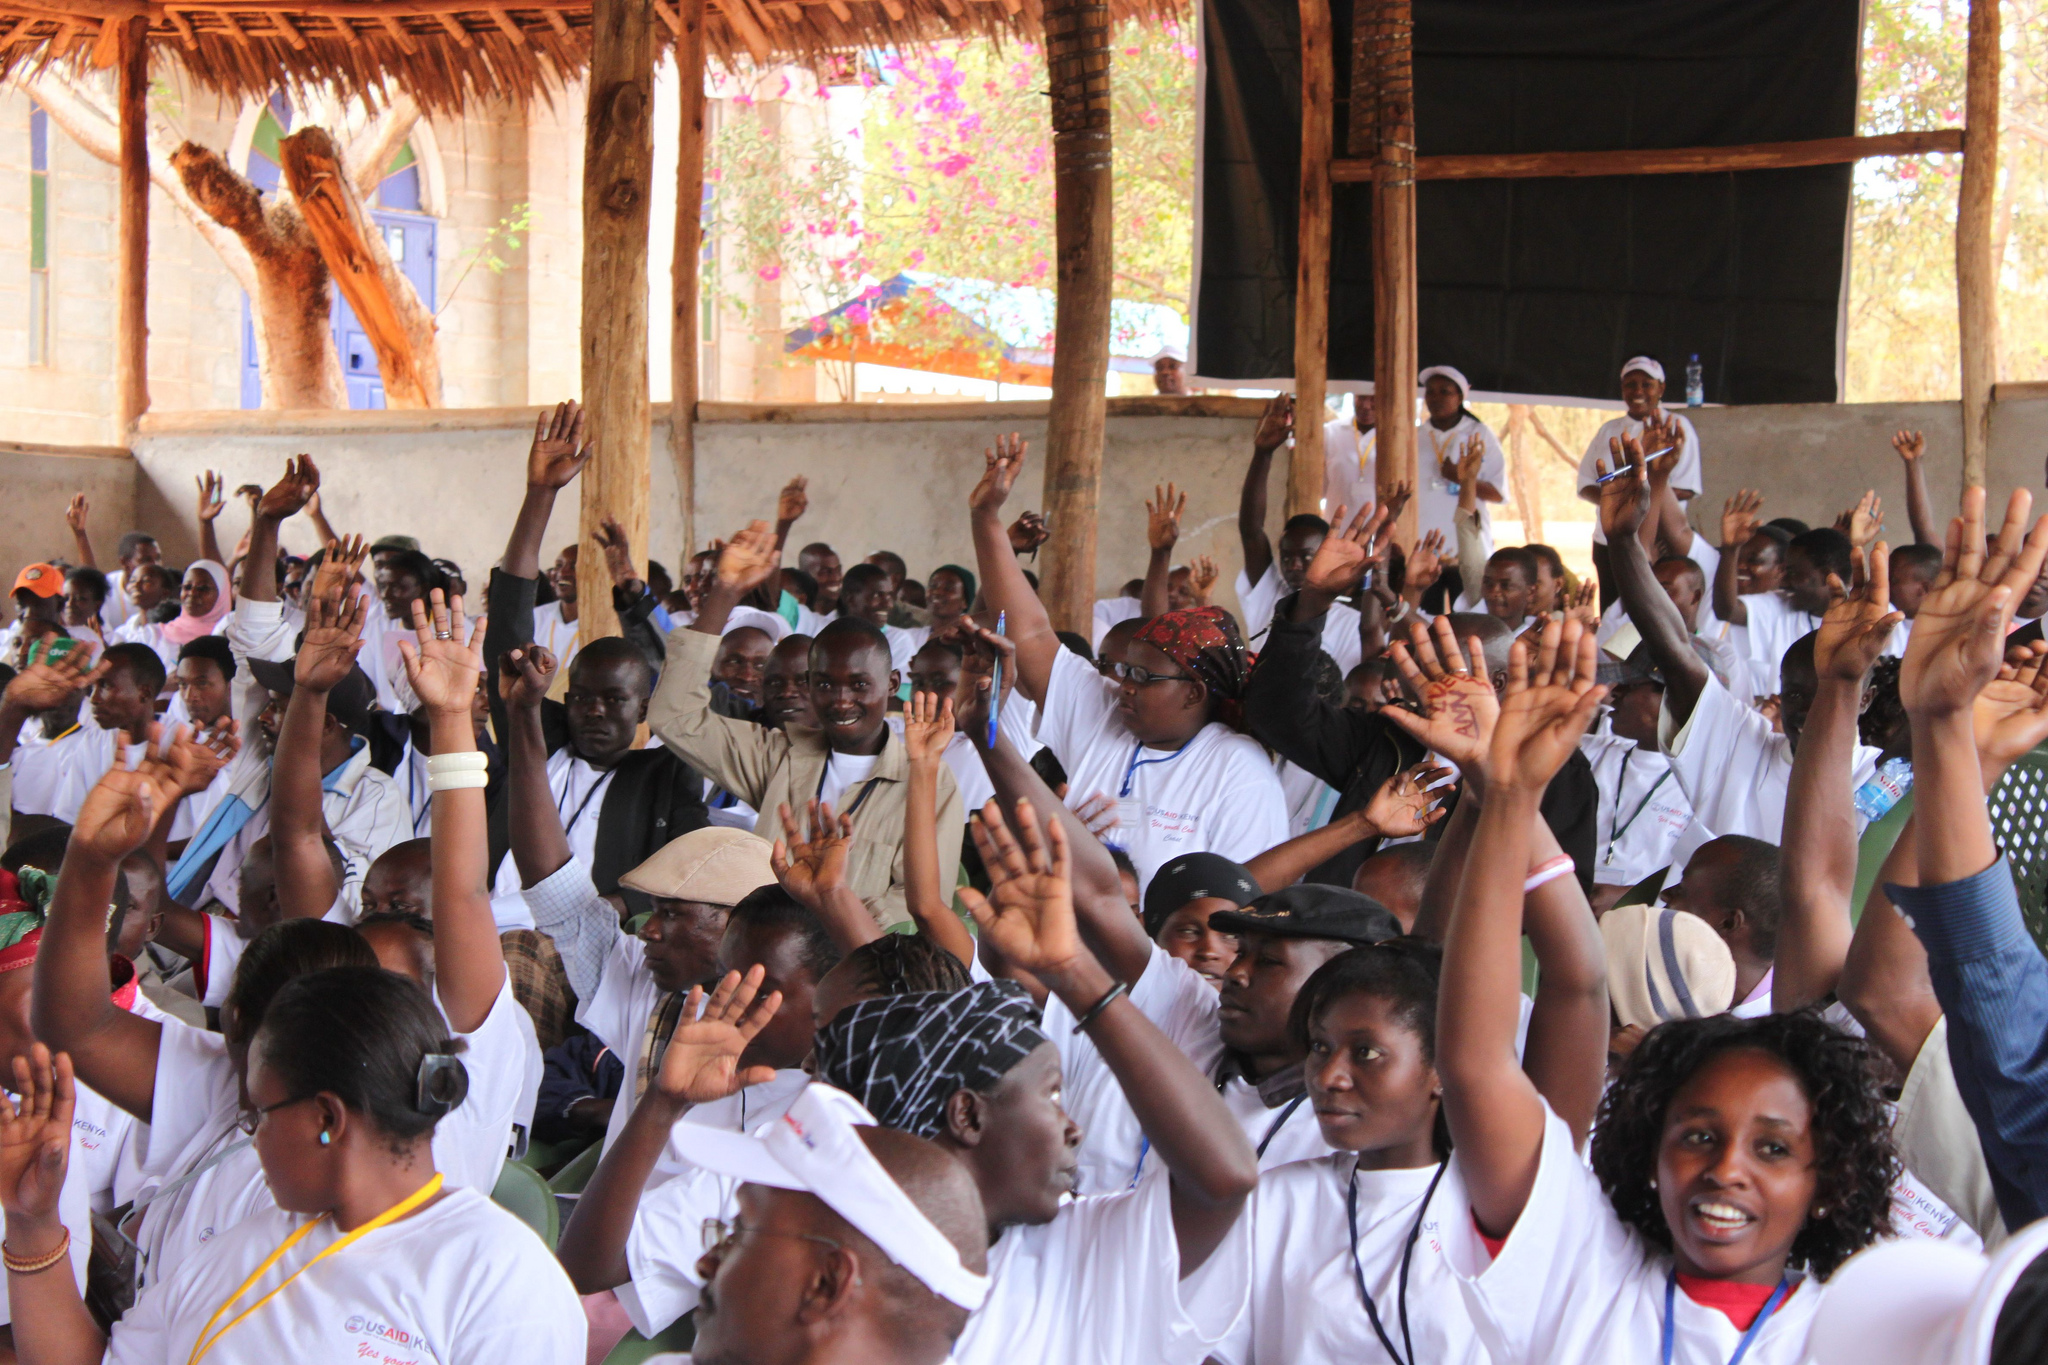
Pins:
<point x="252" y="1119"/>
<point x="1145" y="677"/>
<point x="718" y="1232"/>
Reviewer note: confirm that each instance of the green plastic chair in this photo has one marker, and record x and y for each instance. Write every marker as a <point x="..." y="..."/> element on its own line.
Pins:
<point x="633" y="1348"/>
<point x="521" y="1192"/>
<point x="1873" y="848"/>
<point x="573" y="1177"/>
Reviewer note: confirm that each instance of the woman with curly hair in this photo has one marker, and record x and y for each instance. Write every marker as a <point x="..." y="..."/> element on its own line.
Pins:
<point x="1160" y="736"/>
<point x="1736" y="1163"/>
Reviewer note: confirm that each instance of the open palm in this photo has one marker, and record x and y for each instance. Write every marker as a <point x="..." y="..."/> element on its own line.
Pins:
<point x="702" y="1061"/>
<point x="1858" y="625"/>
<point x="35" y="1134"/>
<point x="442" y="662"/>
<point x="334" y="636"/>
<point x="1959" y="633"/>
<point x="1551" y="699"/>
<point x="1458" y="701"/>
<point x="811" y="869"/>
<point x="1029" y="911"/>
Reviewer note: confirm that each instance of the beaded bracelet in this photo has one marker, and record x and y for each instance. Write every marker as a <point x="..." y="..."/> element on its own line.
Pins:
<point x="21" y="1267"/>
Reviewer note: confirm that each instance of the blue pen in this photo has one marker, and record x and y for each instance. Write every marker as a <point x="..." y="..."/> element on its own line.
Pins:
<point x="995" y="686"/>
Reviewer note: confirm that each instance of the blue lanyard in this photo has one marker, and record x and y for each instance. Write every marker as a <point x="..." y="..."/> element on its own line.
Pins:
<point x="1135" y="764"/>
<point x="1372" y="1310"/>
<point x="1742" y="1347"/>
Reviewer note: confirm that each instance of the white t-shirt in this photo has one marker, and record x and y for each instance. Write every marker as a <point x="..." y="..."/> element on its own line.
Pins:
<point x="1305" y="1307"/>
<point x="558" y="637"/>
<point x="1018" y="724"/>
<point x="1101" y="1283"/>
<point x="1773" y="628"/>
<point x="578" y="791"/>
<point x="1110" y="610"/>
<point x="461" y="1280"/>
<point x="1574" y="1283"/>
<point x="1340" y="624"/>
<point x="1642" y="809"/>
<point x="1350" y="463"/>
<point x="366" y="812"/>
<point x="197" y="1100"/>
<point x="1436" y="502"/>
<point x="1309" y="799"/>
<point x="1734" y="770"/>
<point x="841" y="772"/>
<point x="1684" y="479"/>
<point x="903" y="644"/>
<point x="1217" y="794"/>
<point x="53" y="779"/>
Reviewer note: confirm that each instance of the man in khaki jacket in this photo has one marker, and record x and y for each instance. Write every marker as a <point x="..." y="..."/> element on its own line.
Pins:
<point x="854" y="760"/>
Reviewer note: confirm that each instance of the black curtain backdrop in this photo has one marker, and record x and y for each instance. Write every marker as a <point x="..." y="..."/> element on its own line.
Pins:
<point x="1544" y="287"/>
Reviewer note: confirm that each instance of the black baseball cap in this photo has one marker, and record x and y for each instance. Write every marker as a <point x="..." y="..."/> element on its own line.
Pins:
<point x="1193" y="877"/>
<point x="351" y="701"/>
<point x="1312" y="910"/>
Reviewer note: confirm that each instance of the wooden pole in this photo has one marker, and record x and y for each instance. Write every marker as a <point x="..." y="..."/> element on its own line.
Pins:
<point x="1393" y="238"/>
<point x="131" y="356"/>
<point x="684" y="327"/>
<point x="1312" y="259"/>
<point x="1077" y="60"/>
<point x="1757" y="156"/>
<point x="618" y="170"/>
<point x="1976" y="281"/>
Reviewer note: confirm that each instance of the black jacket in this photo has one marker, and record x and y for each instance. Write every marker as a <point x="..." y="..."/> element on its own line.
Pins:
<point x="1355" y="752"/>
<point x="654" y="796"/>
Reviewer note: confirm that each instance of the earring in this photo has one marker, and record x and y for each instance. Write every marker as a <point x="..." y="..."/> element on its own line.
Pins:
<point x="1820" y="1211"/>
<point x="1653" y="1179"/>
<point x="325" y="1137"/>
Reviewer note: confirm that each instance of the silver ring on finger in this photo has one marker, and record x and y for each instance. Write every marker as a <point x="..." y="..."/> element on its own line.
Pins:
<point x="444" y="635"/>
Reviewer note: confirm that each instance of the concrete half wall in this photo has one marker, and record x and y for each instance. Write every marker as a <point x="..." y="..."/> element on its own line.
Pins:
<point x="885" y="476"/>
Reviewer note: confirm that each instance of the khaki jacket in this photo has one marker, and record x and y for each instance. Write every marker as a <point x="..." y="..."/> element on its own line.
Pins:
<point x="765" y="768"/>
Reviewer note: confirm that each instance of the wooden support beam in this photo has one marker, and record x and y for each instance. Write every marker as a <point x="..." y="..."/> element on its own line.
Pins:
<point x="750" y="32"/>
<point x="106" y="45"/>
<point x="618" y="171"/>
<point x="131" y="354"/>
<point x="1758" y="156"/>
<point x="1976" y="280"/>
<point x="456" y="30"/>
<point x="185" y="33"/>
<point x="1077" y="61"/>
<point x="556" y="22"/>
<point x="398" y="34"/>
<point x="399" y="325"/>
<point x="1393" y="247"/>
<point x="507" y="25"/>
<point x="1312" y="258"/>
<point x="685" y="266"/>
<point x="283" y="25"/>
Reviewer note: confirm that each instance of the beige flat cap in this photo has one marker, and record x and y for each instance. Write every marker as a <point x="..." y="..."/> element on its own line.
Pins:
<point x="713" y="865"/>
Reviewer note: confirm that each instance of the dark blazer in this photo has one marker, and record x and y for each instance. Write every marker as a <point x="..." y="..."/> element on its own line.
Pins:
<point x="654" y="796"/>
<point x="1355" y="752"/>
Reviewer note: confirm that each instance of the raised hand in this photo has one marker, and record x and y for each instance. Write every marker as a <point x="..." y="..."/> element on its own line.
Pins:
<point x="1407" y="803"/>
<point x="1584" y="605"/>
<point x="1740" y="516"/>
<point x="981" y="648"/>
<point x="927" y="727"/>
<point x="292" y="493"/>
<point x="702" y="1061"/>
<point x="1866" y="520"/>
<point x="1663" y="442"/>
<point x="618" y="551"/>
<point x="1858" y="625"/>
<point x="559" y="452"/>
<point x="1098" y="811"/>
<point x="1341" y="560"/>
<point x="812" y="869"/>
<point x="41" y="686"/>
<point x="1959" y="633"/>
<point x="1162" y="516"/>
<point x="1426" y="562"/>
<point x="524" y="681"/>
<point x="212" y="494"/>
<point x="193" y="758"/>
<point x="793" y="501"/>
<point x="35" y="1139"/>
<point x="334" y="636"/>
<point x="75" y="514"/>
<point x="749" y="559"/>
<point x="1458" y="701"/>
<point x="1624" y="489"/>
<point x="1202" y="576"/>
<point x="1028" y="532"/>
<point x="118" y="813"/>
<point x="1911" y="445"/>
<point x="442" y="662"/>
<point x="338" y="567"/>
<point x="1551" y="699"/>
<point x="1005" y="460"/>
<point x="1470" y="459"/>
<point x="1029" y="911"/>
<point x="1397" y="501"/>
<point x="1276" y="423"/>
<point x="2010" y="716"/>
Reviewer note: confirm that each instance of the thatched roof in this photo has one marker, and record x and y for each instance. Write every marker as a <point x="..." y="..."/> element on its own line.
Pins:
<point x="446" y="53"/>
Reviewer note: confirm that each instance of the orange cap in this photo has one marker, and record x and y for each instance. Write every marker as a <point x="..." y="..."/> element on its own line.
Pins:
<point x="44" y="580"/>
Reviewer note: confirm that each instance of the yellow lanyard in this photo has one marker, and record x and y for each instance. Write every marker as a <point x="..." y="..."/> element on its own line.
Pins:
<point x="390" y="1215"/>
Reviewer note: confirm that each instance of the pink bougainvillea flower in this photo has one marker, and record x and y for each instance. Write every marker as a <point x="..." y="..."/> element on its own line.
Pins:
<point x="771" y="273"/>
<point x="954" y="164"/>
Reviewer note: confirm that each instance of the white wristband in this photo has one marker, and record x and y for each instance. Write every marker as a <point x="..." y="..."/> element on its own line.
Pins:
<point x="1549" y="872"/>
<point x="448" y="782"/>
<point x="463" y="761"/>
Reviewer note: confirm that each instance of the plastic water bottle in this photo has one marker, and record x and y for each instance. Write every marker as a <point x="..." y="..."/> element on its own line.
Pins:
<point x="1695" y="383"/>
<point x="1885" y="788"/>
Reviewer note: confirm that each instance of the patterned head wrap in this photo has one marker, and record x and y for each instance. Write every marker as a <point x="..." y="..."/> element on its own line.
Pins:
<point x="24" y="904"/>
<point x="1205" y="642"/>
<point x="904" y="1056"/>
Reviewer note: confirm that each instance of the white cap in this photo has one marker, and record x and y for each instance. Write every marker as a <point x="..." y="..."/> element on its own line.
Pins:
<point x="1448" y="372"/>
<point x="1664" y="964"/>
<point x="1170" y="352"/>
<point x="1919" y="1302"/>
<point x="813" y="1149"/>
<point x="1646" y="365"/>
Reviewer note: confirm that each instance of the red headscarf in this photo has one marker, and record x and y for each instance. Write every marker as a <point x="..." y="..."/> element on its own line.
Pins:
<point x="1205" y="642"/>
